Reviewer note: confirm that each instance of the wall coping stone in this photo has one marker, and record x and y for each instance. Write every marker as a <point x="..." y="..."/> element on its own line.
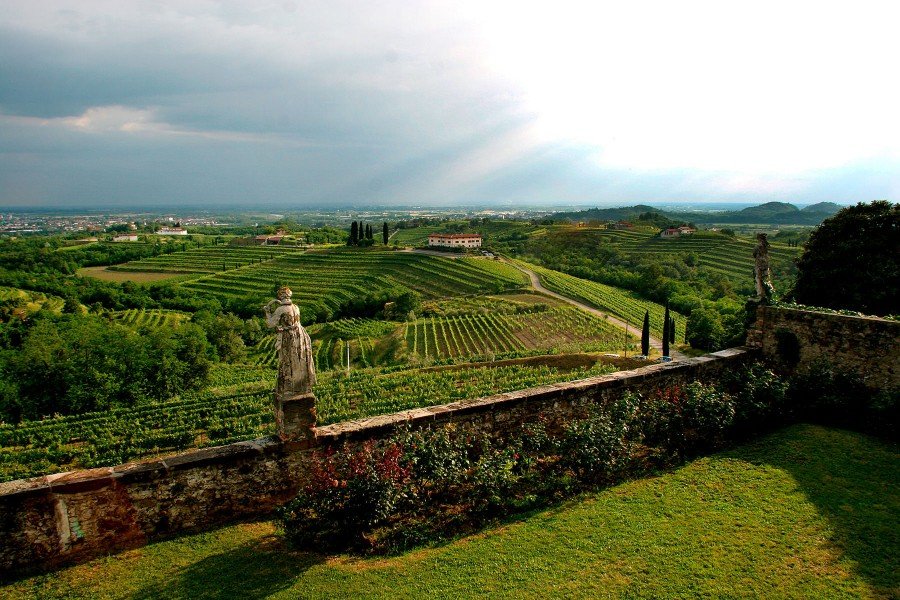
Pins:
<point x="830" y="315"/>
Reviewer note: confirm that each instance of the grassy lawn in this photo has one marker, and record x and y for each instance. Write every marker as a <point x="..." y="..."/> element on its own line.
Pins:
<point x="807" y="512"/>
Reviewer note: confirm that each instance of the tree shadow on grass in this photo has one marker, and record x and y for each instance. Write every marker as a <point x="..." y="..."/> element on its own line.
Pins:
<point x="251" y="571"/>
<point x="854" y="482"/>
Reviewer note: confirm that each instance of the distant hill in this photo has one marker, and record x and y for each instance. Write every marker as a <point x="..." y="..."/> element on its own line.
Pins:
<point x="770" y="213"/>
<point x="605" y="214"/>
<point x="828" y="208"/>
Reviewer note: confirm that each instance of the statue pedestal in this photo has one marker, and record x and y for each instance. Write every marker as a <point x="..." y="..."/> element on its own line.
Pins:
<point x="295" y="416"/>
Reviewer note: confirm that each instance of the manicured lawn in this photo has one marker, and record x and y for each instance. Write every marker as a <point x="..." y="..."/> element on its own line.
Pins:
<point x="807" y="512"/>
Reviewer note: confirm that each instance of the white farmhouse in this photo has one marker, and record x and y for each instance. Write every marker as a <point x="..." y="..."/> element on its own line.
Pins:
<point x="455" y="240"/>
<point x="172" y="231"/>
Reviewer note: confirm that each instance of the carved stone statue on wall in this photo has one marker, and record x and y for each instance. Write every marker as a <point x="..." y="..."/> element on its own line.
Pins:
<point x="764" y="289"/>
<point x="294" y="400"/>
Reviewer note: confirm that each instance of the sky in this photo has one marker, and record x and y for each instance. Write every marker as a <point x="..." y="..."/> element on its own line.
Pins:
<point x="382" y="102"/>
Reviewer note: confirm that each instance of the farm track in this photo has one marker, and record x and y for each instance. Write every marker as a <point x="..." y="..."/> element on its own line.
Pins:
<point x="536" y="284"/>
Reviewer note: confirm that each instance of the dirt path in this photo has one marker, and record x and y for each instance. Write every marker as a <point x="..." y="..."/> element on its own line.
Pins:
<point x="536" y="284"/>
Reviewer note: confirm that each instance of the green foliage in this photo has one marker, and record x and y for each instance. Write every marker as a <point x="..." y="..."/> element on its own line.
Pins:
<point x="850" y="261"/>
<point x="705" y="330"/>
<point x="83" y="363"/>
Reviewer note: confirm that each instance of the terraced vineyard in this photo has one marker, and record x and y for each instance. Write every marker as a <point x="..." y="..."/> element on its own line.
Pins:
<point x="208" y="259"/>
<point x="158" y="317"/>
<point x="623" y="304"/>
<point x="491" y="334"/>
<point x="731" y="257"/>
<point x="238" y="408"/>
<point x="324" y="280"/>
<point x="32" y="301"/>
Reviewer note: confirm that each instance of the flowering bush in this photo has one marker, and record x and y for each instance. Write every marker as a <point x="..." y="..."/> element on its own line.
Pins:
<point x="346" y="494"/>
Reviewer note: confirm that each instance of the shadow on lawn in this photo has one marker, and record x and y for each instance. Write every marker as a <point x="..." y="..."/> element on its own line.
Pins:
<point x="854" y="481"/>
<point x="250" y="571"/>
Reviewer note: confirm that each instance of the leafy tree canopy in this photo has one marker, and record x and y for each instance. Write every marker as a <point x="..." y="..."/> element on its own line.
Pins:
<point x="851" y="261"/>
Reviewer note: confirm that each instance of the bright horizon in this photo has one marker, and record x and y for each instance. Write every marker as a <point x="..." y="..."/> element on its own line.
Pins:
<point x="443" y="104"/>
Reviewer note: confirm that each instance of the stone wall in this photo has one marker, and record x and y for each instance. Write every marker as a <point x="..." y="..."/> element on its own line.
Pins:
<point x="796" y="339"/>
<point x="70" y="517"/>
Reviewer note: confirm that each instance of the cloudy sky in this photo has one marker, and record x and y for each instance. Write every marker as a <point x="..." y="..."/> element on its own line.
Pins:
<point x="303" y="102"/>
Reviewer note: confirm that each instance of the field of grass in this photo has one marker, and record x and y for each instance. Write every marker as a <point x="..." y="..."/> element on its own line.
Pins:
<point x="807" y="512"/>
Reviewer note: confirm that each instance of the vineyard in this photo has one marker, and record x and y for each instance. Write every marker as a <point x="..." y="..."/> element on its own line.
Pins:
<point x="31" y="301"/>
<point x="238" y="408"/>
<point x="472" y="328"/>
<point x="206" y="259"/>
<point x="625" y="305"/>
<point x="159" y="317"/>
<point x="731" y="257"/>
<point x="486" y="334"/>
<point x="322" y="281"/>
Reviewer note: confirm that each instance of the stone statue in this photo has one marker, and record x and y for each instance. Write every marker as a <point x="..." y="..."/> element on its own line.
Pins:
<point x="764" y="289"/>
<point x="294" y="399"/>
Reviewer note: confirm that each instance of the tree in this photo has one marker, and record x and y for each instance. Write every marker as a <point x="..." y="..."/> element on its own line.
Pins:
<point x="353" y="240"/>
<point x="665" y="337"/>
<point x="369" y="231"/>
<point x="850" y="261"/>
<point x="705" y="330"/>
<point x="672" y="331"/>
<point x="384" y="233"/>
<point x="645" y="335"/>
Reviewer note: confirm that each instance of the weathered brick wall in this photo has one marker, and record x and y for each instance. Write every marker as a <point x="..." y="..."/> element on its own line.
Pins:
<point x="797" y="339"/>
<point x="70" y="517"/>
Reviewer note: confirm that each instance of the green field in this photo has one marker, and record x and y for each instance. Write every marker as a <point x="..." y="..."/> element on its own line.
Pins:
<point x="715" y="253"/>
<point x="326" y="280"/>
<point x="158" y="317"/>
<point x="807" y="512"/>
<point x="623" y="304"/>
<point x="31" y="301"/>
<point x="237" y="406"/>
<point x="491" y="231"/>
<point x="206" y="259"/>
<point x="472" y="335"/>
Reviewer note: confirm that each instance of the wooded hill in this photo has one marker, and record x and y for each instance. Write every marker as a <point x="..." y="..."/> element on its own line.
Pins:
<point x="770" y="213"/>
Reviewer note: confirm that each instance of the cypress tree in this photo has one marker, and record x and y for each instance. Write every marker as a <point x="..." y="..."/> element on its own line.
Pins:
<point x="354" y="234"/>
<point x="645" y="335"/>
<point x="368" y="231"/>
<point x="384" y="233"/>
<point x="665" y="337"/>
<point x="672" y="331"/>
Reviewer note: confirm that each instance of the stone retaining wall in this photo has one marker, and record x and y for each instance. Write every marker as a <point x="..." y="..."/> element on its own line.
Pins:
<point x="71" y="517"/>
<point x="797" y="339"/>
